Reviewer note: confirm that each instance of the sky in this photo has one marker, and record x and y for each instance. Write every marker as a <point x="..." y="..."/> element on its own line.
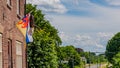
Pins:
<point x="86" y="24"/>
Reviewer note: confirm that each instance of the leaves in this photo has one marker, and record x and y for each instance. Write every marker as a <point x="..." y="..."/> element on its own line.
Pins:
<point x="112" y="48"/>
<point x="42" y="51"/>
<point x="69" y="53"/>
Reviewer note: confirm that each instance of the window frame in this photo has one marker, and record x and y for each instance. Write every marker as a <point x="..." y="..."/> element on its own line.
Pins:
<point x="1" y="43"/>
<point x="18" y="7"/>
<point x="19" y="54"/>
<point x="1" y="51"/>
<point x="9" y="4"/>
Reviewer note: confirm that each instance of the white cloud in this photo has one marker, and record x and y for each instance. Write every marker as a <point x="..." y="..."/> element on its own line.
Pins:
<point x="103" y="23"/>
<point x="86" y="41"/>
<point x="82" y="37"/>
<point x="99" y="45"/>
<point x="64" y="37"/>
<point x="49" y="5"/>
<point x="102" y="19"/>
<point x="113" y="2"/>
<point x="105" y="34"/>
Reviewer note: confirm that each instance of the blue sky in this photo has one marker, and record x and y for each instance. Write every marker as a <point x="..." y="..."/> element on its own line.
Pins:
<point x="86" y="24"/>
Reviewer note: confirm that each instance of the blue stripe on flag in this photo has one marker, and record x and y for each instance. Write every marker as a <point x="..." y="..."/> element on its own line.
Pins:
<point x="29" y="37"/>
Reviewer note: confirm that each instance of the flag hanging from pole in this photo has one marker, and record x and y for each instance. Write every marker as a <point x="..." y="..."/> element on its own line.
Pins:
<point x="24" y="26"/>
<point x="29" y="32"/>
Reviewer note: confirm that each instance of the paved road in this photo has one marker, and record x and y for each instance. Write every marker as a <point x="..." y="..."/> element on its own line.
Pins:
<point x="94" y="66"/>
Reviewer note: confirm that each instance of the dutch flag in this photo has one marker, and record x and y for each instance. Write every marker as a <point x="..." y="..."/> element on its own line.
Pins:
<point x="29" y="32"/>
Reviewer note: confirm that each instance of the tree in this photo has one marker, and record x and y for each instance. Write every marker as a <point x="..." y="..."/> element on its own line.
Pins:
<point x="102" y="58"/>
<point x="69" y="53"/>
<point x="116" y="60"/>
<point x="42" y="51"/>
<point x="113" y="47"/>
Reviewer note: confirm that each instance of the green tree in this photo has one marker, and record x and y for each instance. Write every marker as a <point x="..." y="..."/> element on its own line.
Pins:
<point x="113" y="47"/>
<point x="102" y="58"/>
<point x="116" y="60"/>
<point x="69" y="53"/>
<point x="89" y="56"/>
<point x="42" y="51"/>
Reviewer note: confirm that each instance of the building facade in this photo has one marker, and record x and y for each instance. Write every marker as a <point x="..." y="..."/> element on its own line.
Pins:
<point x="12" y="49"/>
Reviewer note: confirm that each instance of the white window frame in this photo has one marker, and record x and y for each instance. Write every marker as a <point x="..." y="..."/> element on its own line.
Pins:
<point x="18" y="7"/>
<point x="18" y="54"/>
<point x="1" y="50"/>
<point x="9" y="2"/>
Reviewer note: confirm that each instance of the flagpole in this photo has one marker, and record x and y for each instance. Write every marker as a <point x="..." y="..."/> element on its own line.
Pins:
<point x="25" y="8"/>
<point x="25" y="42"/>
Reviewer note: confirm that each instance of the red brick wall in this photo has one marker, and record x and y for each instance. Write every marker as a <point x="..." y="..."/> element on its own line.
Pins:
<point x="8" y="18"/>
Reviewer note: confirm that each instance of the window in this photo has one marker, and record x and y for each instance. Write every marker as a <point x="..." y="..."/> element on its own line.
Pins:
<point x="0" y="50"/>
<point x="10" y="62"/>
<point x="18" y="54"/>
<point x="18" y="7"/>
<point x="9" y="2"/>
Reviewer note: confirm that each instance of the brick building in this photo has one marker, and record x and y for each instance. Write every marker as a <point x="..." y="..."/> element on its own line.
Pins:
<point x="12" y="51"/>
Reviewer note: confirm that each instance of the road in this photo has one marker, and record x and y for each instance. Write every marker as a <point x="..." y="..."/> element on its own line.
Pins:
<point x="94" y="66"/>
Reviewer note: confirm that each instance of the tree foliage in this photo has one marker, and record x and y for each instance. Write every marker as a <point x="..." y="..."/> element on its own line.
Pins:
<point x="116" y="60"/>
<point x="69" y="53"/>
<point x="113" y="48"/>
<point x="42" y="51"/>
